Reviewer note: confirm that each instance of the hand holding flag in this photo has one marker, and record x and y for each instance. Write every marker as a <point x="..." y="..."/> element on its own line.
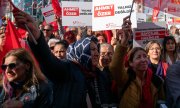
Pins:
<point x="25" y="21"/>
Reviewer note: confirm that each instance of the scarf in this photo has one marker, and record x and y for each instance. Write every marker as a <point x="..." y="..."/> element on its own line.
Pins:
<point x="159" y="71"/>
<point x="80" y="53"/>
<point x="147" y="101"/>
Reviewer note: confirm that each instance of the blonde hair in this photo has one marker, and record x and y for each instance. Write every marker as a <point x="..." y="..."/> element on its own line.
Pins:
<point x="34" y="74"/>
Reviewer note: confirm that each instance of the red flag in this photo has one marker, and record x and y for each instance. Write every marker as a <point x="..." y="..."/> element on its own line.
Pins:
<point x="11" y="34"/>
<point x="56" y="8"/>
<point x="109" y="35"/>
<point x="22" y="33"/>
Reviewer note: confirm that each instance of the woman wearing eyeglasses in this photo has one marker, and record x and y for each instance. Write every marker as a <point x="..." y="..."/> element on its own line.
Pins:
<point x="23" y="83"/>
<point x="158" y="66"/>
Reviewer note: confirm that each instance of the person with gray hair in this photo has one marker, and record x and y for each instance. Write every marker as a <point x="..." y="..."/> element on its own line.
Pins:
<point x="172" y="85"/>
<point x="106" y="53"/>
<point x="52" y="42"/>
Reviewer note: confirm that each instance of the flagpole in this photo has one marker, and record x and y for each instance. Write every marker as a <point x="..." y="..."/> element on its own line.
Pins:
<point x="27" y="28"/>
<point x="131" y="8"/>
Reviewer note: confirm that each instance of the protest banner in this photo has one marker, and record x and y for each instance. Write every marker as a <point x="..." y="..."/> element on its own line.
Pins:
<point x="48" y="14"/>
<point x="148" y="31"/>
<point x="76" y="13"/>
<point x="109" y="14"/>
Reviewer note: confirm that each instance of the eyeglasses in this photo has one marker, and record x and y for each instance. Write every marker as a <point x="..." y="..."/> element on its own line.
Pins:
<point x="11" y="66"/>
<point x="157" y="49"/>
<point x="46" y="30"/>
<point x="103" y="54"/>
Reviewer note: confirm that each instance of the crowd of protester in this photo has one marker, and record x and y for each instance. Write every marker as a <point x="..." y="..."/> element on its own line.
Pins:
<point x="78" y="68"/>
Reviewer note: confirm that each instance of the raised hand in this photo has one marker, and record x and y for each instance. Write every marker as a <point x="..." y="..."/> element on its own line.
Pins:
<point x="126" y="28"/>
<point x="22" y="18"/>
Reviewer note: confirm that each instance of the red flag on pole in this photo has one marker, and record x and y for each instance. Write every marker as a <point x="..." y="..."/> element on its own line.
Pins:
<point x="11" y="36"/>
<point x="56" y="8"/>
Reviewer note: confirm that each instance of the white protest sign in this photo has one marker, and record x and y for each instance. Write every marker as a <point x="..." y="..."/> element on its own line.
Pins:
<point x="48" y="13"/>
<point x="76" y="13"/>
<point x="109" y="14"/>
<point x="141" y="17"/>
<point x="148" y="31"/>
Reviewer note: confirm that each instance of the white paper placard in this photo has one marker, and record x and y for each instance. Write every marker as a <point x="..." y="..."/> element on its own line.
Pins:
<point x="109" y="14"/>
<point x="76" y="13"/>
